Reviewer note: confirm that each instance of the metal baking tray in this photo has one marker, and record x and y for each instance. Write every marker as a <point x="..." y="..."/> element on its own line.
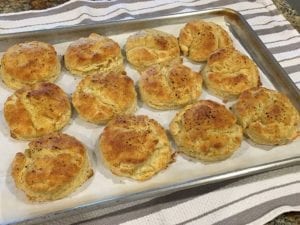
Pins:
<point x="241" y="31"/>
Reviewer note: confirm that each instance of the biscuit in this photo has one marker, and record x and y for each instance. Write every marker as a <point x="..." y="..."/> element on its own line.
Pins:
<point x="135" y="146"/>
<point x="206" y="131"/>
<point x="150" y="47"/>
<point x="101" y="97"/>
<point x="228" y="73"/>
<point x="169" y="87"/>
<point x="94" y="54"/>
<point x="29" y="63"/>
<point x="51" y="167"/>
<point x="198" y="39"/>
<point x="37" y="110"/>
<point x="267" y="116"/>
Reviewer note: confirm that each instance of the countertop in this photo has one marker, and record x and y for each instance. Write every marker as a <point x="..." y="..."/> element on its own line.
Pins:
<point x="290" y="13"/>
<point x="284" y="7"/>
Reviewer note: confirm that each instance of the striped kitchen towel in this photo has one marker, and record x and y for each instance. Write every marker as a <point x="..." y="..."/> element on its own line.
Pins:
<point x="251" y="200"/>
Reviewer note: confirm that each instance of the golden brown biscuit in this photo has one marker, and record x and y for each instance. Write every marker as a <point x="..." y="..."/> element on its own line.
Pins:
<point x="150" y="47"/>
<point x="267" y="117"/>
<point x="29" y="63"/>
<point x="51" y="168"/>
<point x="135" y="147"/>
<point x="228" y="73"/>
<point x="171" y="86"/>
<point x="101" y="97"/>
<point x="207" y="131"/>
<point x="94" y="54"/>
<point x="37" y="110"/>
<point x="198" y="39"/>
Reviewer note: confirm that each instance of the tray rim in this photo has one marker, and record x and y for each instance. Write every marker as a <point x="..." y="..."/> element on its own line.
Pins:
<point x="183" y="185"/>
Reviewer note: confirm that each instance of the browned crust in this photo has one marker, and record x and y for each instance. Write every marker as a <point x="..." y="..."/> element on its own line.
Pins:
<point x="101" y="97"/>
<point x="28" y="63"/>
<point x="94" y="54"/>
<point x="150" y="47"/>
<point x="168" y="87"/>
<point x="198" y="39"/>
<point x="267" y="116"/>
<point x="51" y="168"/>
<point x="228" y="73"/>
<point x="37" y="110"/>
<point x="135" y="146"/>
<point x="206" y="130"/>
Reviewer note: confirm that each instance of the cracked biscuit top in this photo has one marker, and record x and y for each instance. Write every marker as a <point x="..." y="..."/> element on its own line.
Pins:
<point x="228" y="73"/>
<point x="150" y="47"/>
<point x="36" y="110"/>
<point x="198" y="39"/>
<point x="94" y="54"/>
<point x="101" y="97"/>
<point x="267" y="116"/>
<point x="170" y="86"/>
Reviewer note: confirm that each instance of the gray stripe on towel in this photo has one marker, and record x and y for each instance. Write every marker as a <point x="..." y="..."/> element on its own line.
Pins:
<point x="275" y="29"/>
<point x="268" y="14"/>
<point x="292" y="69"/>
<point x="259" y="211"/>
<point x="238" y="200"/>
<point x="285" y="48"/>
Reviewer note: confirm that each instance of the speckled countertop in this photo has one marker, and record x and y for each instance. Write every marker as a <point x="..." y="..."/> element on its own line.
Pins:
<point x="290" y="14"/>
<point x="6" y="6"/>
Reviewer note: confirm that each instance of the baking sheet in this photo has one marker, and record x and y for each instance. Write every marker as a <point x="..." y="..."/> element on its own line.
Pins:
<point x="104" y="185"/>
